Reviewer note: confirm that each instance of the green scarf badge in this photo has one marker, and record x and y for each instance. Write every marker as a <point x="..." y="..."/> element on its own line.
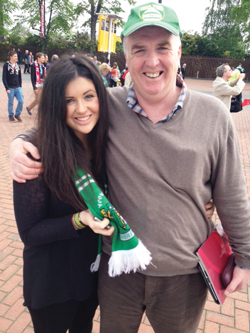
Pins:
<point x="128" y="252"/>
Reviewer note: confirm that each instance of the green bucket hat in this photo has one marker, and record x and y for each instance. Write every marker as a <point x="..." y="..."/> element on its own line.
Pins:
<point x="152" y="14"/>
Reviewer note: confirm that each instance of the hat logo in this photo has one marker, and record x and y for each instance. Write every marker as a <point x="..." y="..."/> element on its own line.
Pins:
<point x="151" y="14"/>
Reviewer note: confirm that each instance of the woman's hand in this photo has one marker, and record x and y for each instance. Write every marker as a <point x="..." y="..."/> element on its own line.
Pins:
<point x="98" y="227"/>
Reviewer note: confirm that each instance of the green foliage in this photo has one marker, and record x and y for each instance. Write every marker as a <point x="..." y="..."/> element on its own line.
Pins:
<point x="221" y="33"/>
<point x="78" y="41"/>
<point x="6" y="20"/>
<point x="241" y="15"/>
<point x="119" y="47"/>
<point x="59" y="17"/>
<point x="189" y="43"/>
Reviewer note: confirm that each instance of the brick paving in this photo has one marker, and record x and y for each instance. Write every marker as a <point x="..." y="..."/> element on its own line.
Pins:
<point x="232" y="317"/>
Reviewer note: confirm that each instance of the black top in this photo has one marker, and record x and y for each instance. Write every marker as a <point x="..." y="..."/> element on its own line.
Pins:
<point x="11" y="76"/>
<point x="57" y="258"/>
<point x="33" y="74"/>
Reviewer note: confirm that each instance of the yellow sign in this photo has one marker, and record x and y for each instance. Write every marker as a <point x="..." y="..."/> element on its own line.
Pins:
<point x="103" y="38"/>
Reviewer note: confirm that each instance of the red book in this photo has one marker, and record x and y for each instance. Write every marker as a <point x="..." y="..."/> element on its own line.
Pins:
<point x="213" y="257"/>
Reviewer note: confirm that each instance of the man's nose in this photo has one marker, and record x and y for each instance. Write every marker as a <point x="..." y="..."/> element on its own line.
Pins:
<point x="152" y="59"/>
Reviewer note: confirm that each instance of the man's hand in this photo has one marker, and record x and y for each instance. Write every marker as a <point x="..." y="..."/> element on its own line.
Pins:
<point x="8" y="91"/>
<point x="23" y="168"/>
<point x="209" y="209"/>
<point x="239" y="280"/>
<point x="242" y="76"/>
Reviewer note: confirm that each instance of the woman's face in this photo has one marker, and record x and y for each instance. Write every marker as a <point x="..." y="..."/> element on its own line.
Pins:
<point x="82" y="107"/>
<point x="105" y="71"/>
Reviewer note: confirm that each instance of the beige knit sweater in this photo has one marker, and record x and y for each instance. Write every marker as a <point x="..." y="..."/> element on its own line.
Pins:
<point x="162" y="175"/>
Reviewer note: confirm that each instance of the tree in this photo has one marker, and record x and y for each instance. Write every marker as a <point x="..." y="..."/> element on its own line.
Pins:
<point x="91" y="7"/>
<point x="241" y="15"/>
<point x="6" y="9"/>
<point x="220" y="29"/>
<point x="189" y="43"/>
<point x="59" y="17"/>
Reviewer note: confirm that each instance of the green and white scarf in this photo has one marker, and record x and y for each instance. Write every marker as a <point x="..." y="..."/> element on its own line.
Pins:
<point x="128" y="252"/>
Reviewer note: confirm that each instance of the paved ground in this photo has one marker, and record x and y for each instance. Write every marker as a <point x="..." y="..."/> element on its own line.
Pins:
<point x="232" y="317"/>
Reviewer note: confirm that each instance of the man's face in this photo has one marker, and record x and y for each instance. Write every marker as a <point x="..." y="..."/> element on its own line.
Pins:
<point x="152" y="56"/>
<point x="13" y="58"/>
<point x="228" y="73"/>
<point x="41" y="59"/>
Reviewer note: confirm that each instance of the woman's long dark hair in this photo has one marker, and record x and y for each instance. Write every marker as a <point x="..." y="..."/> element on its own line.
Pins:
<point x="61" y="151"/>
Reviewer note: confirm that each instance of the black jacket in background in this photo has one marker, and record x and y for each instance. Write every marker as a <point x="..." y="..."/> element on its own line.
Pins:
<point x="11" y="76"/>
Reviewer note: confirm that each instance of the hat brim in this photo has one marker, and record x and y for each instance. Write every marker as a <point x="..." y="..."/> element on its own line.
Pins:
<point x="140" y="25"/>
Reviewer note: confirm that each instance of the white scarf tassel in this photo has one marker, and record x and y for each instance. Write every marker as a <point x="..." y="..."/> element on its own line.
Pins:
<point x="125" y="261"/>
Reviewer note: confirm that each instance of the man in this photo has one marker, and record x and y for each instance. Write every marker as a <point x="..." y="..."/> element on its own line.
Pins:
<point x="223" y="89"/>
<point x="240" y="68"/>
<point x="12" y="80"/>
<point x="183" y="70"/>
<point x="53" y="59"/>
<point x="38" y="73"/>
<point x="163" y="165"/>
<point x="95" y="60"/>
<point x="19" y="55"/>
<point x="46" y="60"/>
<point x="26" y="59"/>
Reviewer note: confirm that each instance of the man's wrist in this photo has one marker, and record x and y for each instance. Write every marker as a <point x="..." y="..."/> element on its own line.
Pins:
<point x="24" y="137"/>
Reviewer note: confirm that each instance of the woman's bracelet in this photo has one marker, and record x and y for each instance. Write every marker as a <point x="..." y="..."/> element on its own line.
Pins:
<point x="76" y="221"/>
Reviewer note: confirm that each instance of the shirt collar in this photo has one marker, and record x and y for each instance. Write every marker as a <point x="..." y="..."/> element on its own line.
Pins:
<point x="133" y="104"/>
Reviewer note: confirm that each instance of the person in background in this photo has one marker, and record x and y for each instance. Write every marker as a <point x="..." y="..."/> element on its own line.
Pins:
<point x="12" y="80"/>
<point x="54" y="58"/>
<point x="183" y="70"/>
<point x="38" y="73"/>
<point x="222" y="89"/>
<point x="31" y="58"/>
<point x="95" y="60"/>
<point x="240" y="68"/>
<point x="104" y="70"/>
<point x="26" y="59"/>
<point x="19" y="55"/>
<point x="113" y="75"/>
<point x="123" y="75"/>
<point x="108" y="75"/>
<point x="46" y="60"/>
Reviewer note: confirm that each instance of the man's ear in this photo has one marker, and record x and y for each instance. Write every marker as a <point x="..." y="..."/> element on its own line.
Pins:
<point x="125" y="58"/>
<point x="179" y="53"/>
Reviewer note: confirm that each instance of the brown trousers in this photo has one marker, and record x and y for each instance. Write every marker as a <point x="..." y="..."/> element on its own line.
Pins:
<point x="37" y="98"/>
<point x="172" y="304"/>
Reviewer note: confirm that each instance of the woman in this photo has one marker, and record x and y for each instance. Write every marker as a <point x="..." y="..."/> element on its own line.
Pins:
<point x="114" y="75"/>
<point x="54" y="225"/>
<point x="104" y="70"/>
